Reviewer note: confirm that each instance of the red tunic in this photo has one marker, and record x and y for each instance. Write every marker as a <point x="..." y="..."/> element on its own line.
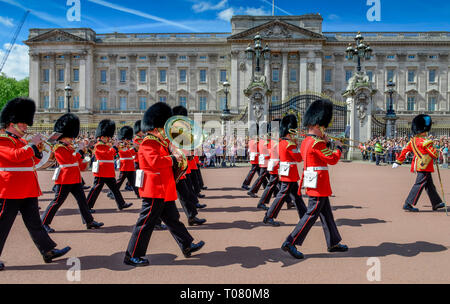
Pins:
<point x="65" y="155"/>
<point x="274" y="157"/>
<point x="253" y="149"/>
<point x="424" y="154"/>
<point x="156" y="162"/>
<point x="289" y="154"/>
<point x="264" y="151"/>
<point x="105" y="154"/>
<point x="137" y="140"/>
<point x="188" y="170"/>
<point x="127" y="159"/>
<point x="316" y="154"/>
<point x="14" y="153"/>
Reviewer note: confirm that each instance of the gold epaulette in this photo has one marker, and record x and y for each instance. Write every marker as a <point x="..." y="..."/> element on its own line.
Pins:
<point x="153" y="137"/>
<point x="427" y="142"/>
<point x="3" y="135"/>
<point x="55" y="147"/>
<point x="290" y="143"/>
<point x="317" y="140"/>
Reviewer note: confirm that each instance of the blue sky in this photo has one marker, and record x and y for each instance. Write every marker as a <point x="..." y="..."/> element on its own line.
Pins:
<point x="133" y="16"/>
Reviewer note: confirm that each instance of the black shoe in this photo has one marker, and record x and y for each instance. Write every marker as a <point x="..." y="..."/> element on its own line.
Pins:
<point x="110" y="195"/>
<point x="262" y="206"/>
<point x="408" y="207"/>
<point x="193" y="248"/>
<point x="292" y="250"/>
<point x="270" y="221"/>
<point x="2" y="266"/>
<point x="196" y="221"/>
<point x="128" y="188"/>
<point x="338" y="248"/>
<point x="94" y="225"/>
<point x="200" y="206"/>
<point x="126" y="205"/>
<point x="252" y="194"/>
<point x="204" y="188"/>
<point x="91" y="211"/>
<point x="55" y="253"/>
<point x="245" y="187"/>
<point x="86" y="187"/>
<point x="160" y="227"/>
<point x="49" y="229"/>
<point x="438" y="206"/>
<point x="290" y="205"/>
<point x="200" y="195"/>
<point x="136" y="262"/>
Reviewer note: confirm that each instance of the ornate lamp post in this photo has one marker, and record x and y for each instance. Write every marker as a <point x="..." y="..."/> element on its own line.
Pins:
<point x="359" y="51"/>
<point x="68" y="90"/>
<point x="226" y="90"/>
<point x="258" y="52"/>
<point x="390" y="117"/>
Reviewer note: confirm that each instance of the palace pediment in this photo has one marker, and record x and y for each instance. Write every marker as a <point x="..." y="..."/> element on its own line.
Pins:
<point x="277" y="30"/>
<point x="55" y="36"/>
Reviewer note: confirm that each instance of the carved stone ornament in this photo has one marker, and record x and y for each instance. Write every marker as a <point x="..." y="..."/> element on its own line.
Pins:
<point x="242" y="66"/>
<point x="258" y="104"/>
<point x="311" y="66"/>
<point x="277" y="31"/>
<point x="361" y="103"/>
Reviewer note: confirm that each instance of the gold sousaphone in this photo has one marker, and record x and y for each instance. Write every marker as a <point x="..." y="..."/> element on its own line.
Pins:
<point x="184" y="134"/>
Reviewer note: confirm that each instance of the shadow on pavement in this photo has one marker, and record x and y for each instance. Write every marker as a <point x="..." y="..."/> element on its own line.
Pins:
<point x="355" y="222"/>
<point x="67" y="212"/>
<point x="345" y="207"/>
<point x="226" y="189"/>
<point x="232" y="209"/>
<point x="104" y="229"/>
<point x="226" y="197"/>
<point x="236" y="224"/>
<point x="246" y="257"/>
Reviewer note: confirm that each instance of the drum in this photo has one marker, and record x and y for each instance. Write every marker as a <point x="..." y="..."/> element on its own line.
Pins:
<point x="48" y="160"/>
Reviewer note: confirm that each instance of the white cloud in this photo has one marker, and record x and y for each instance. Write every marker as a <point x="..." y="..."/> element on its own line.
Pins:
<point x="252" y="11"/>
<point x="207" y="6"/>
<point x="17" y="65"/>
<point x="226" y="14"/>
<point x="334" y="17"/>
<point x="6" y="21"/>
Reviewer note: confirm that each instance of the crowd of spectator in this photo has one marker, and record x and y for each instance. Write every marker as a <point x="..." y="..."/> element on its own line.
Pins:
<point x="381" y="149"/>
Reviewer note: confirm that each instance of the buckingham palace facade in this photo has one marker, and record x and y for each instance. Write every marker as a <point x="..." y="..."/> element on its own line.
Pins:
<point x="119" y="75"/>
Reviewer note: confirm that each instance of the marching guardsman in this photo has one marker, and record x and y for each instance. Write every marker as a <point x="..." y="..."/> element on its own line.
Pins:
<point x="424" y="155"/>
<point x="67" y="175"/>
<point x="127" y="155"/>
<point x="253" y="153"/>
<point x="158" y="189"/>
<point x="316" y="158"/>
<point x="289" y="157"/>
<point x="272" y="169"/>
<point x="19" y="185"/>
<point x="198" y="172"/>
<point x="103" y="167"/>
<point x="263" y="160"/>
<point x="186" y="196"/>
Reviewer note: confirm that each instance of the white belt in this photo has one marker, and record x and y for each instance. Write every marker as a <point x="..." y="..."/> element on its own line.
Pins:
<point x="126" y="158"/>
<point x="317" y="168"/>
<point x="286" y="163"/>
<point x="18" y="169"/>
<point x="106" y="161"/>
<point x="274" y="159"/>
<point x="69" y="165"/>
<point x="264" y="154"/>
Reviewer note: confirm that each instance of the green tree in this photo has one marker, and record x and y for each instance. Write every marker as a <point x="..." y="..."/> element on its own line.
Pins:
<point x="11" y="88"/>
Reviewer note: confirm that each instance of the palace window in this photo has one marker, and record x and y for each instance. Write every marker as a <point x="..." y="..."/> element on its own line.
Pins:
<point x="76" y="75"/>
<point x="432" y="75"/>
<point x="202" y="58"/>
<point x="61" y="75"/>
<point x="46" y="102"/>
<point x="275" y="75"/>
<point x="162" y="75"/>
<point x="76" y="102"/>
<point x="202" y="103"/>
<point x="104" y="58"/>
<point x="432" y="103"/>
<point x="370" y="75"/>
<point x="123" y="75"/>
<point x="103" y="103"/>
<point x="390" y="75"/>
<point x="275" y="100"/>
<point x="46" y="75"/>
<point x="183" y="101"/>
<point x="142" y="57"/>
<point x="142" y="76"/>
<point x="182" y="58"/>
<point x="390" y="56"/>
<point x="348" y="75"/>
<point x="223" y="101"/>
<point x="60" y="102"/>
<point x="411" y="103"/>
<point x="202" y="76"/>
<point x="182" y="76"/>
<point x="293" y="75"/>
<point x="103" y="76"/>
<point x="411" y="76"/>
<point x="328" y="75"/>
<point x="223" y="75"/>
<point x="162" y="98"/>
<point x="123" y="103"/>
<point x="411" y="56"/>
<point x="142" y="103"/>
<point x="162" y="58"/>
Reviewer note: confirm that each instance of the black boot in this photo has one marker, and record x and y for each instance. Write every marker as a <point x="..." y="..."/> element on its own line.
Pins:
<point x="136" y="262"/>
<point x="196" y="221"/>
<point x="55" y="253"/>
<point x="94" y="225"/>
<point x="193" y="248"/>
<point x="292" y="250"/>
<point x="338" y="248"/>
<point x="270" y="221"/>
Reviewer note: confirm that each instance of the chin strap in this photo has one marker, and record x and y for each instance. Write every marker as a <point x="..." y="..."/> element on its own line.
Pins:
<point x="16" y="127"/>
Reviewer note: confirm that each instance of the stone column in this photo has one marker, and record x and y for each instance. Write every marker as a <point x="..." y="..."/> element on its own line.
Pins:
<point x="52" y="82"/>
<point x="212" y="83"/>
<point x="234" y="96"/>
<point x="113" y="78"/>
<point x="68" y="76"/>
<point x="35" y="79"/>
<point x="284" y="77"/>
<point x="400" y="96"/>
<point x="381" y="79"/>
<point x="422" y="83"/>
<point x="153" y="78"/>
<point x="267" y="71"/>
<point x="172" y="79"/>
<point x="338" y="73"/>
<point x="443" y="81"/>
<point x="89" y="74"/>
<point x="318" y="72"/>
<point x="303" y="74"/>
<point x="193" y="83"/>
<point x="132" y="94"/>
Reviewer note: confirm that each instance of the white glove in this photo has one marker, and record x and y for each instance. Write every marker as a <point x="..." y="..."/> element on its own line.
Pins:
<point x="395" y="165"/>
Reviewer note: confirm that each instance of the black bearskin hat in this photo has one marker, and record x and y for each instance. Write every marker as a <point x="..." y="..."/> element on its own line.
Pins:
<point x="320" y="112"/>
<point x="17" y="110"/>
<point x="68" y="125"/>
<point x="106" y="128"/>
<point x="288" y="122"/>
<point x="137" y="127"/>
<point x="253" y="129"/>
<point x="126" y="132"/>
<point x="180" y="110"/>
<point x="421" y="123"/>
<point x="156" y="116"/>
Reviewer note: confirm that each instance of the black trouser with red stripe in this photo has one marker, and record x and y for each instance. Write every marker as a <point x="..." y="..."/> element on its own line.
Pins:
<point x="194" y="181"/>
<point x="287" y="189"/>
<point x="131" y="177"/>
<point x="187" y="198"/>
<point x="251" y="173"/>
<point x="61" y="194"/>
<point x="29" y="210"/>
<point x="262" y="180"/>
<point x="152" y="210"/>
<point x="271" y="188"/>
<point x="317" y="206"/>
<point x="423" y="180"/>
<point x="99" y="182"/>
<point x="200" y="178"/>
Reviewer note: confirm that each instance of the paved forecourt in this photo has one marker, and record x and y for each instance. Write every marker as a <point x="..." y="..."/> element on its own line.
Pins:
<point x="410" y="247"/>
